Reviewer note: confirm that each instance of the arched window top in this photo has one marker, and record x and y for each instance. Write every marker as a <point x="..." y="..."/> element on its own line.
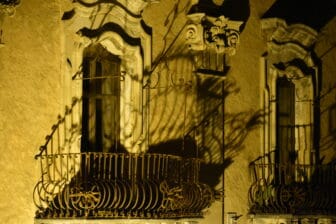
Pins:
<point x="99" y="52"/>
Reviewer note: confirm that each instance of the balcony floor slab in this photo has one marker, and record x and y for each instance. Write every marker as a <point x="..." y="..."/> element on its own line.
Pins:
<point x="115" y="221"/>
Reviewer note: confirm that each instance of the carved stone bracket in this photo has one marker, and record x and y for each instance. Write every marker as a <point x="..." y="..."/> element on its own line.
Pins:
<point x="206" y="32"/>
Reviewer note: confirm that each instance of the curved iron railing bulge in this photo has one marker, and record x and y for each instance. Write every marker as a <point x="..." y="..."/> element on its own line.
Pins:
<point x="108" y="185"/>
<point x="306" y="189"/>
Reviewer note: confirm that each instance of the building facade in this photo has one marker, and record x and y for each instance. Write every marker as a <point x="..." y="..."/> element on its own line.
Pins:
<point x="168" y="111"/>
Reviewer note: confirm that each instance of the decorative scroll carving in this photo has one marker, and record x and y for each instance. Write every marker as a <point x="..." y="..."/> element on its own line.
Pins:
<point x="310" y="193"/>
<point x="205" y="32"/>
<point x="278" y="30"/>
<point x="120" y="185"/>
<point x="118" y="26"/>
<point x="289" y="46"/>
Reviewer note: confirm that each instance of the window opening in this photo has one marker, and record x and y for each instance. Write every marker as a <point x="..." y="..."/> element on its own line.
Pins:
<point x="101" y="100"/>
<point x="285" y="155"/>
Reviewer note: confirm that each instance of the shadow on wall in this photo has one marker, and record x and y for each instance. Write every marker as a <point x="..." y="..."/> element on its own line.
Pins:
<point x="217" y="137"/>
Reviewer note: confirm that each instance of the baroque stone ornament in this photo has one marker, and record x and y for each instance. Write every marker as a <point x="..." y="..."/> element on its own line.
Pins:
<point x="206" y="32"/>
<point x="118" y="26"/>
<point x="118" y="185"/>
<point x="289" y="46"/>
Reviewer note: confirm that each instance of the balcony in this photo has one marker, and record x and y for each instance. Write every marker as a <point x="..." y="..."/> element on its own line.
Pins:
<point x="101" y="185"/>
<point x="293" y="189"/>
<point x="120" y="185"/>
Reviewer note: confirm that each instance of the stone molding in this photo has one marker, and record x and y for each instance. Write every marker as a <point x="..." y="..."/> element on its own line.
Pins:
<point x="289" y="54"/>
<point x="277" y="29"/>
<point x="288" y="43"/>
<point x="122" y="32"/>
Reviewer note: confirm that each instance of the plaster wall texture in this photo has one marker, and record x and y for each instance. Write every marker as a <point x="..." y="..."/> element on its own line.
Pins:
<point x="30" y="84"/>
<point x="32" y="95"/>
<point x="247" y="72"/>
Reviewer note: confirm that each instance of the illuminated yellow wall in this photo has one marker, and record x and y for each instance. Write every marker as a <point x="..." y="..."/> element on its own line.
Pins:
<point x="30" y="99"/>
<point x="32" y="65"/>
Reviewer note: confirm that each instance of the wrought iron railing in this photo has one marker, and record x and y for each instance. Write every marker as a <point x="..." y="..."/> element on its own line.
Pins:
<point x="105" y="185"/>
<point x="114" y="185"/>
<point x="64" y="133"/>
<point x="120" y="185"/>
<point x="296" y="189"/>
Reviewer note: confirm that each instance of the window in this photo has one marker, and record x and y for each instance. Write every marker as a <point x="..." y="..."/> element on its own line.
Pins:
<point x="101" y="100"/>
<point x="285" y="154"/>
<point x="294" y="122"/>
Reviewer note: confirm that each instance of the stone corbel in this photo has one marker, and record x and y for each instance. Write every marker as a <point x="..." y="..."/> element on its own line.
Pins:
<point x="194" y="32"/>
<point x="205" y="32"/>
<point x="7" y="8"/>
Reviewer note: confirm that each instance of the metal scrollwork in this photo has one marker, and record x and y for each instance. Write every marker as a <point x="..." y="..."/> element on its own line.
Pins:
<point x="172" y="196"/>
<point x="271" y="194"/>
<point x="85" y="196"/>
<point x="102" y="186"/>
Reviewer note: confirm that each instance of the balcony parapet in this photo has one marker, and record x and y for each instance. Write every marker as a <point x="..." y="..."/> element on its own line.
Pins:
<point x="293" y="189"/>
<point x="120" y="185"/>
